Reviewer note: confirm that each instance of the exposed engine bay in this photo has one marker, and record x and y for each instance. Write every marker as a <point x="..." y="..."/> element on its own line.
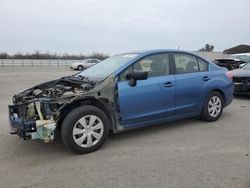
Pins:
<point x="35" y="111"/>
<point x="56" y="89"/>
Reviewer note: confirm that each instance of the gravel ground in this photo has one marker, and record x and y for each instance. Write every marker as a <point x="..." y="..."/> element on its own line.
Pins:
<point x="185" y="153"/>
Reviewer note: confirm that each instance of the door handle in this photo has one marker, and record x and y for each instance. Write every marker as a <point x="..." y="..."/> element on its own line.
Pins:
<point x="168" y="84"/>
<point x="205" y="78"/>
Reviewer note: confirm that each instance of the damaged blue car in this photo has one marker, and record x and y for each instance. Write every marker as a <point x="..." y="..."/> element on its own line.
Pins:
<point x="123" y="92"/>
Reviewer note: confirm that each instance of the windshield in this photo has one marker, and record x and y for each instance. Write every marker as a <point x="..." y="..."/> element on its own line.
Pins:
<point x="103" y="69"/>
<point x="247" y="66"/>
<point x="245" y="58"/>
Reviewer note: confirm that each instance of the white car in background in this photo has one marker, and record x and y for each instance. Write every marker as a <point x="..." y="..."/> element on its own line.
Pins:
<point x="84" y="64"/>
<point x="245" y="57"/>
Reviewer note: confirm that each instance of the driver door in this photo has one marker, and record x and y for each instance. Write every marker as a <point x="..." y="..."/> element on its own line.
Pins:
<point x="151" y="99"/>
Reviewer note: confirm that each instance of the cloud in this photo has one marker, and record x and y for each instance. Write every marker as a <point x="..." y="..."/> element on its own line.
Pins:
<point x="116" y="26"/>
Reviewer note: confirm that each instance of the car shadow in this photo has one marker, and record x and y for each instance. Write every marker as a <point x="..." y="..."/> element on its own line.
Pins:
<point x="159" y="128"/>
<point x="59" y="151"/>
<point x="39" y="147"/>
<point x="242" y="97"/>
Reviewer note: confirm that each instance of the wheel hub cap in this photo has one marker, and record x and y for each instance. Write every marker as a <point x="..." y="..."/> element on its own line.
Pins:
<point x="88" y="131"/>
<point x="214" y="106"/>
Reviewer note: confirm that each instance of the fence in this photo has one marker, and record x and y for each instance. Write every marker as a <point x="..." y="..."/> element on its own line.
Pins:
<point x="35" y="62"/>
<point x="49" y="62"/>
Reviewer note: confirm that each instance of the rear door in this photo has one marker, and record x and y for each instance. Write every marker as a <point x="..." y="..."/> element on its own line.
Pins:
<point x="150" y="99"/>
<point x="191" y="79"/>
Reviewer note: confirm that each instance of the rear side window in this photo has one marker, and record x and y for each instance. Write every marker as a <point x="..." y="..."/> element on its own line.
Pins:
<point x="185" y="63"/>
<point x="203" y="66"/>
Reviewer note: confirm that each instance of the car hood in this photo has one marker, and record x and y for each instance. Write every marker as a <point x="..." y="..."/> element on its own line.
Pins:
<point x="241" y="72"/>
<point x="65" y="86"/>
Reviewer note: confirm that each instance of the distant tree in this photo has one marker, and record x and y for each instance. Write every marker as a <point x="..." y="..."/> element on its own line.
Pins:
<point x="3" y="55"/>
<point x="18" y="55"/>
<point x="207" y="48"/>
<point x="38" y="55"/>
<point x="98" y="55"/>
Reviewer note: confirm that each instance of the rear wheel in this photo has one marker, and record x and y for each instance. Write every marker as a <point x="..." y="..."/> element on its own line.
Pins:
<point x="213" y="107"/>
<point x="85" y="129"/>
<point x="80" y="67"/>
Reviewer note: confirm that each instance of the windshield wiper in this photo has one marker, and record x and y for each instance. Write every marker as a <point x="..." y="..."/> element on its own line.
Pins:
<point x="92" y="82"/>
<point x="73" y="79"/>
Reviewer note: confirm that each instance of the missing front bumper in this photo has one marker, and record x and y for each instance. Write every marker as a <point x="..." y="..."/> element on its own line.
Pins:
<point x="39" y="129"/>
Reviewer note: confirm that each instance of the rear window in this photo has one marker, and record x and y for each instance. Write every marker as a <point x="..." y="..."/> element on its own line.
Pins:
<point x="186" y="63"/>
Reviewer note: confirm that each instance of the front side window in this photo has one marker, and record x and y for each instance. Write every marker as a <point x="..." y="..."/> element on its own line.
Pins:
<point x="155" y="65"/>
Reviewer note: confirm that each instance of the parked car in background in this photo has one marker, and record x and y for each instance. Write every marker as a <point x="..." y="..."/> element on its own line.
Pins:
<point x="234" y="61"/>
<point x="242" y="57"/>
<point x="241" y="80"/>
<point x="84" y="64"/>
<point x="123" y="92"/>
<point x="229" y="63"/>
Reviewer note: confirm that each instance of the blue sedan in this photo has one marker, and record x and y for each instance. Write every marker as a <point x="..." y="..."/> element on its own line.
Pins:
<point x="123" y="92"/>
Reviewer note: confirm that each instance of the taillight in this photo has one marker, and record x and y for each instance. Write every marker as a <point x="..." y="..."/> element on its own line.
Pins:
<point x="229" y="75"/>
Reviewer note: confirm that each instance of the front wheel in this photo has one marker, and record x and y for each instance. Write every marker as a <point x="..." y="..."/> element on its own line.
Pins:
<point x="80" y="68"/>
<point x="213" y="107"/>
<point x="85" y="129"/>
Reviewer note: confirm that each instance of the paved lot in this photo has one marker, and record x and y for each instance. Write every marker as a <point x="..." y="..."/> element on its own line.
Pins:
<point x="186" y="153"/>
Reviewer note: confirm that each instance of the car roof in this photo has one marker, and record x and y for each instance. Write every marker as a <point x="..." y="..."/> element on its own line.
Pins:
<point x="145" y="52"/>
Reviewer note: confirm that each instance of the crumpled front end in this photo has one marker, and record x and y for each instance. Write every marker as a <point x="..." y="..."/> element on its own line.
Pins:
<point x="33" y="120"/>
<point x="36" y="111"/>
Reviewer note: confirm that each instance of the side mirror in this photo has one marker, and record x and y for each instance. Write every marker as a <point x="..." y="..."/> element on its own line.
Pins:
<point x="133" y="77"/>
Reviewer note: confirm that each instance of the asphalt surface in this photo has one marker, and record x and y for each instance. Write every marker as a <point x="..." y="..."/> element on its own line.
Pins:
<point x="185" y="153"/>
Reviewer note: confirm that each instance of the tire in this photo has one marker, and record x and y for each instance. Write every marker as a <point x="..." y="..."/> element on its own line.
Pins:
<point x="85" y="129"/>
<point x="213" y="107"/>
<point x="80" y="67"/>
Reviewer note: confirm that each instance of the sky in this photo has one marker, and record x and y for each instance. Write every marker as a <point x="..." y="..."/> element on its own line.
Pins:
<point x="115" y="26"/>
